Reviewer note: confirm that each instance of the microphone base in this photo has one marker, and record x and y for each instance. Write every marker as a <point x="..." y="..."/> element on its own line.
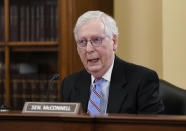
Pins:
<point x="4" y="108"/>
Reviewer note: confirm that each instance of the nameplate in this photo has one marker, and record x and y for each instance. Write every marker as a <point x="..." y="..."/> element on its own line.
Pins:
<point x="50" y="107"/>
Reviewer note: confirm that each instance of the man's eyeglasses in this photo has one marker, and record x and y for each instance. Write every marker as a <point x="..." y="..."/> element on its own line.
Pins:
<point x="96" y="42"/>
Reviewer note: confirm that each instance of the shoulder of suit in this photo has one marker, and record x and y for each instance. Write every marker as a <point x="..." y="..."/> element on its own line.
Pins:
<point x="131" y="67"/>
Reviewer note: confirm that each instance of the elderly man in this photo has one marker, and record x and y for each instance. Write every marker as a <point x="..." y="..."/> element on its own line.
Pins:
<point x="108" y="84"/>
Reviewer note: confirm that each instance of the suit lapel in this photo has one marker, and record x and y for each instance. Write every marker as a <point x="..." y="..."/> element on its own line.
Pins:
<point x="83" y="91"/>
<point x="117" y="93"/>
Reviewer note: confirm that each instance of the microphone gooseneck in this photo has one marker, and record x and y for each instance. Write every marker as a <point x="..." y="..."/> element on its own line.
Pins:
<point x="54" y="77"/>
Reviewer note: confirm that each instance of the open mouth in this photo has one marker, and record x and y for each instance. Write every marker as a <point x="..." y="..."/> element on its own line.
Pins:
<point x="93" y="60"/>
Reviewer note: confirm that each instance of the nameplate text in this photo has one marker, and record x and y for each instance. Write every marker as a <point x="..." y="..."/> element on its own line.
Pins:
<point x="50" y="107"/>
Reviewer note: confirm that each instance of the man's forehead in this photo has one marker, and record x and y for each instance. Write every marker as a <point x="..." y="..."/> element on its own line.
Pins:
<point x="94" y="27"/>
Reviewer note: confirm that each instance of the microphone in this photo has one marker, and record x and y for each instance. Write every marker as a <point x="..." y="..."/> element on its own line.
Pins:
<point x="55" y="77"/>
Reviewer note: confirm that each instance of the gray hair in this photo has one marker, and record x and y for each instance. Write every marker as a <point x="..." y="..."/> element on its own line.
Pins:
<point x="109" y="23"/>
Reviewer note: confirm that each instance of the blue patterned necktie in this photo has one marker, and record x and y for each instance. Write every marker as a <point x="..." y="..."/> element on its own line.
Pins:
<point x="95" y="98"/>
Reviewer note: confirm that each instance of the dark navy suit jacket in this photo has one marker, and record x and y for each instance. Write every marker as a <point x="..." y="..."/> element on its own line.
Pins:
<point x="133" y="89"/>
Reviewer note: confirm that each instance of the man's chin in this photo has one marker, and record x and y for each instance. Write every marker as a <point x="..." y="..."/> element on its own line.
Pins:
<point x="93" y="70"/>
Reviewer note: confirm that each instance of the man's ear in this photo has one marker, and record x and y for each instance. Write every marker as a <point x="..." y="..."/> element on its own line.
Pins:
<point x="115" y="42"/>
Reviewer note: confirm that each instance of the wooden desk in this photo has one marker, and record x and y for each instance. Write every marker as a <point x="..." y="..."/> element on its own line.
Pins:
<point x="16" y="121"/>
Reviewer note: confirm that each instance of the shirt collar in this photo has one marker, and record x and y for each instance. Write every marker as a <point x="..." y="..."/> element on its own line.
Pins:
<point x="107" y="75"/>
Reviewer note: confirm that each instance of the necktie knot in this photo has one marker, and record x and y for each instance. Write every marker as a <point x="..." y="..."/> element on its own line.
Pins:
<point x="98" y="81"/>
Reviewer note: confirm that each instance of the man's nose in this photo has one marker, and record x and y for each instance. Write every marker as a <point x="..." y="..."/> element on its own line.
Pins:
<point x="89" y="46"/>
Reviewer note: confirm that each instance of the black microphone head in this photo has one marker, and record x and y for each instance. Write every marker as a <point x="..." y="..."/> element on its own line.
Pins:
<point x="55" y="77"/>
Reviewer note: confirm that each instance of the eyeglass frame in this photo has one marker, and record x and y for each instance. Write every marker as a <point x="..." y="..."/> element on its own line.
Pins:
<point x="92" y="42"/>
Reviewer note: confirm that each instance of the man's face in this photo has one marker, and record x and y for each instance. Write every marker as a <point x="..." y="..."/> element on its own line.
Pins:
<point x="96" y="60"/>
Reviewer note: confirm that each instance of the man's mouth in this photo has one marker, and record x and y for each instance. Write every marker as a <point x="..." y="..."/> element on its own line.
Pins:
<point x="93" y="60"/>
